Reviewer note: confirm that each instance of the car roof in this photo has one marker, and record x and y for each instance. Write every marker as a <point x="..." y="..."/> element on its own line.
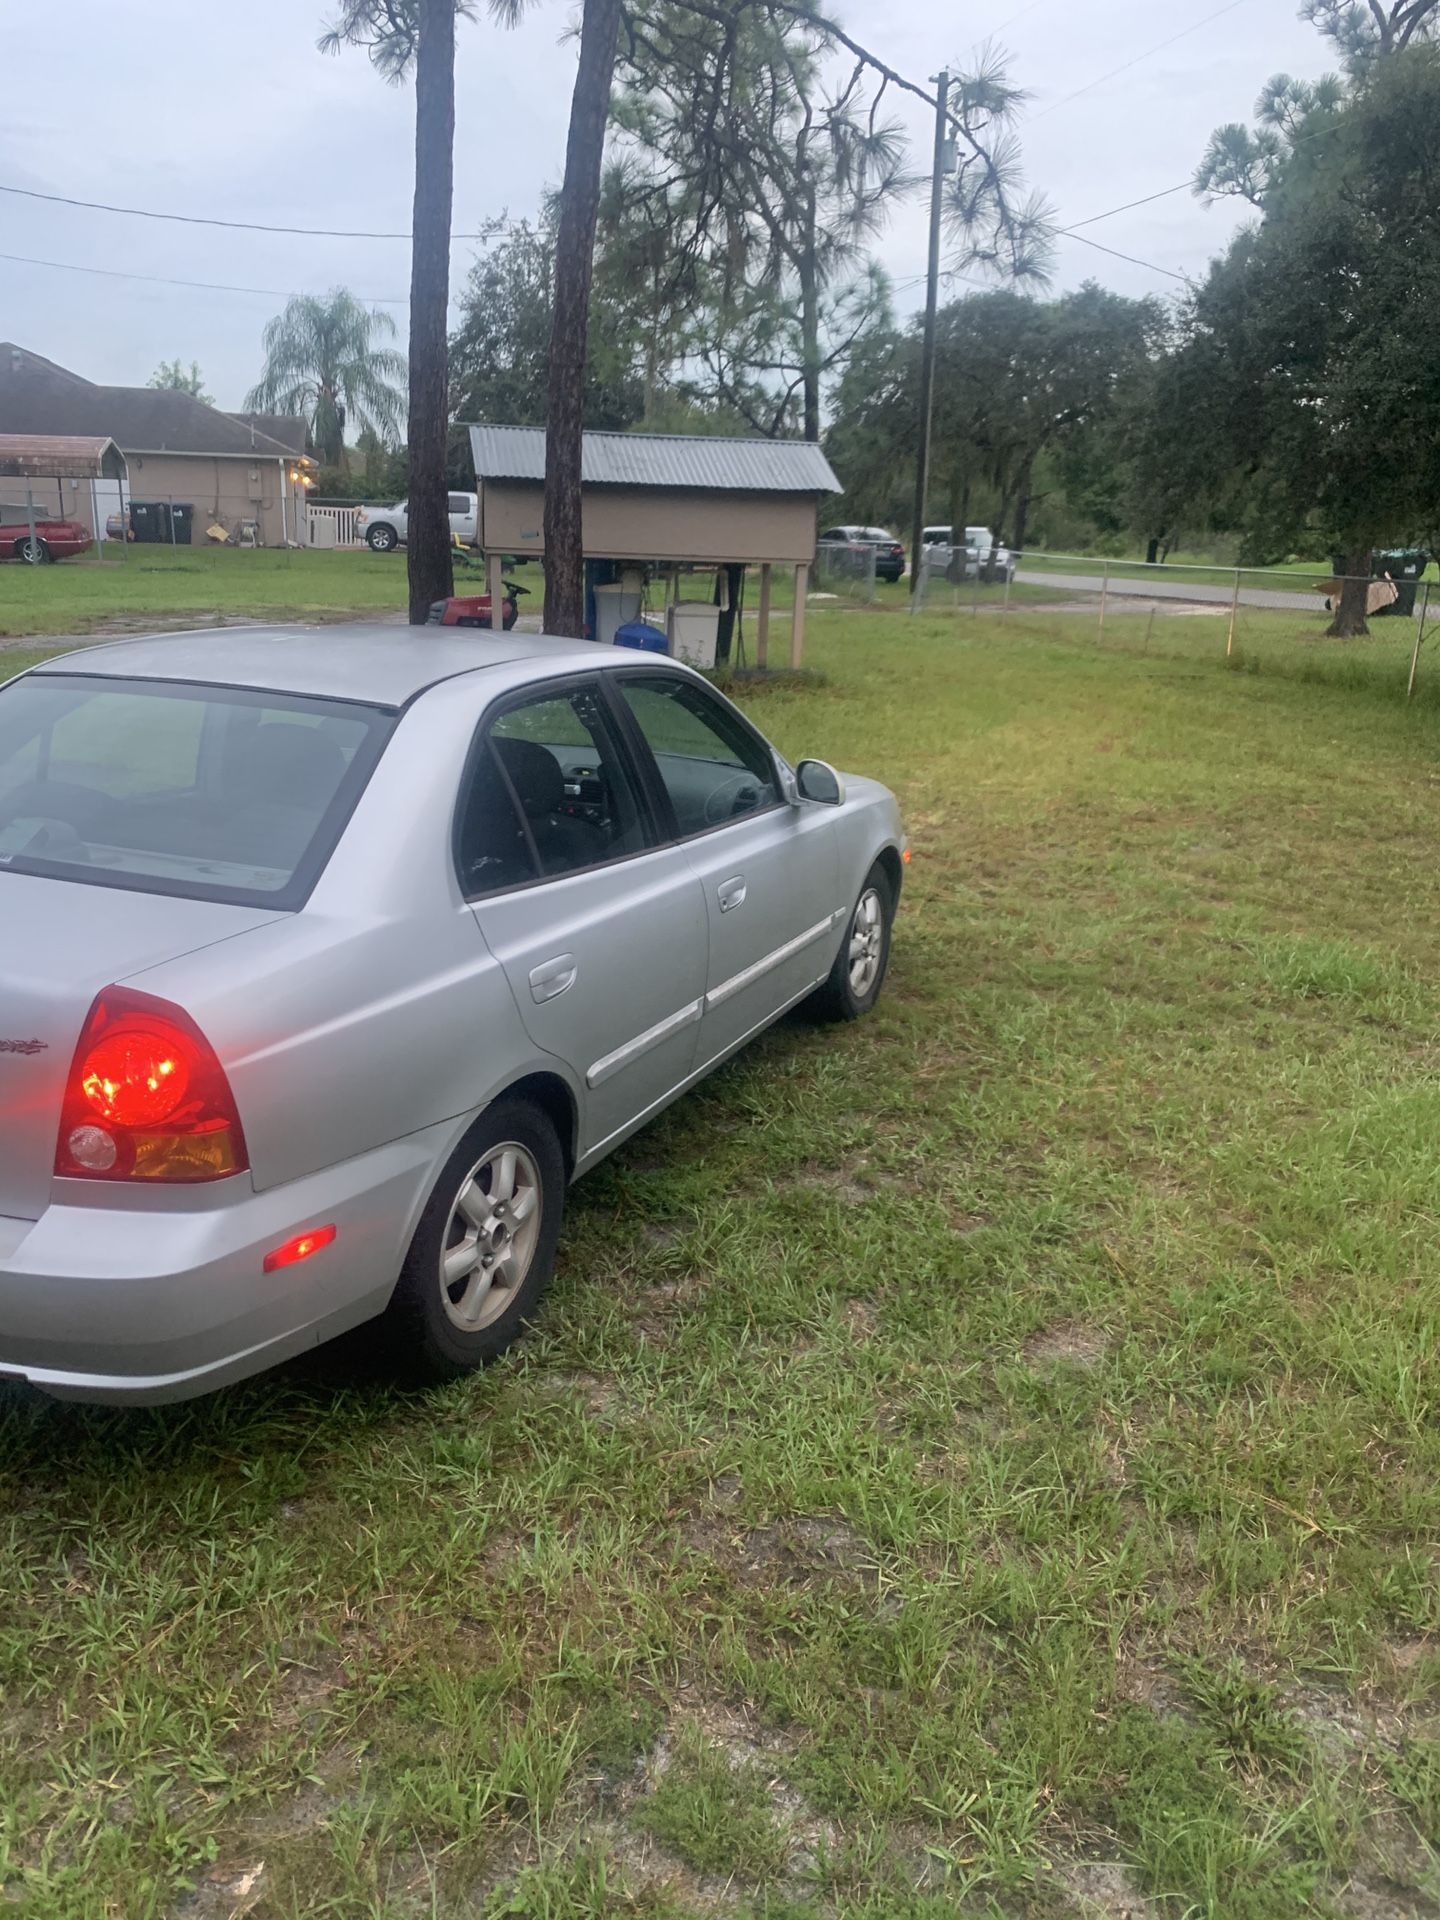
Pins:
<point x="383" y="666"/>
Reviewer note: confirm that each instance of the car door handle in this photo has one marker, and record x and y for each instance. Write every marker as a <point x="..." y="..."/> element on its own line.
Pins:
<point x="731" y="893"/>
<point x="553" y="977"/>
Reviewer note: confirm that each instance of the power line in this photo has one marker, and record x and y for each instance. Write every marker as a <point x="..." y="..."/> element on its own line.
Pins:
<point x="1134" y="261"/>
<point x="1185" y="186"/>
<point x="1013" y="21"/>
<point x="1148" y="54"/>
<point x="206" y="286"/>
<point x="234" y="226"/>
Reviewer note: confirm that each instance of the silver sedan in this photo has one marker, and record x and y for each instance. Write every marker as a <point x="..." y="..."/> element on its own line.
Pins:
<point x="328" y="960"/>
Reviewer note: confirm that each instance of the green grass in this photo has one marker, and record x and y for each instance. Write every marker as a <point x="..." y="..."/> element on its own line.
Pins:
<point x="969" y="1460"/>
<point x="199" y="584"/>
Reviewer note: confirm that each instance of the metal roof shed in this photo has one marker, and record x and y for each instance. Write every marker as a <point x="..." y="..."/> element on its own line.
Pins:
<point x="672" y="499"/>
<point x="59" y="457"/>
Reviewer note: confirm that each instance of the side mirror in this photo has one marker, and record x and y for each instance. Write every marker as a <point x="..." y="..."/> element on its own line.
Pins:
<point x="818" y="781"/>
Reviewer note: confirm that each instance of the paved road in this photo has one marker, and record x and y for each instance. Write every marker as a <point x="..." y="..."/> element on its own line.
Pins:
<point x="1207" y="594"/>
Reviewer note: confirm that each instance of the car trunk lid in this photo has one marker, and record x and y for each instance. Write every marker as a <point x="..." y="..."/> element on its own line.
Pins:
<point x="61" y="942"/>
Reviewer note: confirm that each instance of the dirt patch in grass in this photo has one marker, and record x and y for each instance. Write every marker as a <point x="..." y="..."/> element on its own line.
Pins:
<point x="1148" y="1685"/>
<point x="1102" y="1890"/>
<point x="1340" y="1726"/>
<point x="1069" y="1343"/>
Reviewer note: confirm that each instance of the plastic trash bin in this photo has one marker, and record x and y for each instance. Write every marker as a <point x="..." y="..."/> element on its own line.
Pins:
<point x="637" y="633"/>
<point x="694" y="628"/>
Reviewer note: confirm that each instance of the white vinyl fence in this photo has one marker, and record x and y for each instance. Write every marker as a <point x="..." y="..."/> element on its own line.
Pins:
<point x="333" y="527"/>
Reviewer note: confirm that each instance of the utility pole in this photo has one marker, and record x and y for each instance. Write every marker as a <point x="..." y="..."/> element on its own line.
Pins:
<point x="932" y="298"/>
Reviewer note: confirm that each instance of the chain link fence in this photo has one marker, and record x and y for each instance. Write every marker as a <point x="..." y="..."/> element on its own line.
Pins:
<point x="1304" y="621"/>
<point x="846" y="571"/>
<point x="957" y="580"/>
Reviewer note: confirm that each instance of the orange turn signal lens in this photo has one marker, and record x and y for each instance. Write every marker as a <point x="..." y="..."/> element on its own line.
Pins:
<point x="300" y="1248"/>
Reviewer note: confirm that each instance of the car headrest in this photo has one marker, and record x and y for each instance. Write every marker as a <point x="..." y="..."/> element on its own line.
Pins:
<point x="535" y="774"/>
<point x="289" y="765"/>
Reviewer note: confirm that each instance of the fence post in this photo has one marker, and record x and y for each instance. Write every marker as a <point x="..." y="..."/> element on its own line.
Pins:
<point x="1104" y="598"/>
<point x="1234" y="609"/>
<point x="1419" y="637"/>
<point x="1009" y="582"/>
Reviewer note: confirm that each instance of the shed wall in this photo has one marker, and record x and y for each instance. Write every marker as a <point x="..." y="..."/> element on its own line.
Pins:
<point x="638" y="523"/>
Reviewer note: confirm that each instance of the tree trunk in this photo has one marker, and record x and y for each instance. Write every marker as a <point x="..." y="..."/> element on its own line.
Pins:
<point x="810" y="337"/>
<point x="574" y="266"/>
<point x="1350" y="622"/>
<point x="1022" y="519"/>
<point x="1022" y="506"/>
<point x="432" y="575"/>
<point x="1152" y="551"/>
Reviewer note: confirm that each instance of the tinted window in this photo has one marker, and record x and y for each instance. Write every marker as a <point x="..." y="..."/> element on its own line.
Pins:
<point x="458" y="503"/>
<point x="713" y="767"/>
<point x="492" y="847"/>
<point x="550" y="795"/>
<point x="188" y="790"/>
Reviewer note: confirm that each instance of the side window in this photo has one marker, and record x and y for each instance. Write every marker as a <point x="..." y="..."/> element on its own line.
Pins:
<point x="492" y="848"/>
<point x="552" y="770"/>
<point x="458" y="503"/>
<point x="713" y="768"/>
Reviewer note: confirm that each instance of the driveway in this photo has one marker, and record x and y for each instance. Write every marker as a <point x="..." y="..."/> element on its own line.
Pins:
<point x="1217" y="594"/>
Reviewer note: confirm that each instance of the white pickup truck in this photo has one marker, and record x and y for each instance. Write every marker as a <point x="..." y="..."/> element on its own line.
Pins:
<point x="384" y="528"/>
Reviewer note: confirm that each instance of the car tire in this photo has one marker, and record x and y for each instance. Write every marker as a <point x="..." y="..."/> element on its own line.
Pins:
<point x="455" y="1306"/>
<point x="34" y="552"/>
<point x="382" y="539"/>
<point x="857" y="976"/>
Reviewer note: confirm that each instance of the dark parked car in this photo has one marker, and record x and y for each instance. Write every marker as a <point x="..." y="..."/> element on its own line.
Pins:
<point x="843" y="547"/>
<point x="54" y="539"/>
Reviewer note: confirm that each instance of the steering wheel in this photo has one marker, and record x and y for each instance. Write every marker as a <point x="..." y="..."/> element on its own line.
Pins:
<point x="724" y="802"/>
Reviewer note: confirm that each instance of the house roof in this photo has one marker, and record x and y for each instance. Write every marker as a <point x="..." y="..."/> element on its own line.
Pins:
<point x="36" y="396"/>
<point x="693" y="462"/>
<point x="34" y="456"/>
<point x="291" y="430"/>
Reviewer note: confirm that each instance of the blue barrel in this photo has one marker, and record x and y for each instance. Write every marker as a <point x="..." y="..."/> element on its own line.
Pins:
<point x="636" y="633"/>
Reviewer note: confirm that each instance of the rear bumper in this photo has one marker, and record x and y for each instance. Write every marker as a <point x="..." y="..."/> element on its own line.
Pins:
<point x="119" y="1303"/>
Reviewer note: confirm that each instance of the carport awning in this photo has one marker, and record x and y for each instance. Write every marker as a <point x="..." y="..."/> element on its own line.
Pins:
<point x="59" y="456"/>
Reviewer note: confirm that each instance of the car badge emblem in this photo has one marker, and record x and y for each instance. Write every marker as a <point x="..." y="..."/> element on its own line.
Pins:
<point x="24" y="1046"/>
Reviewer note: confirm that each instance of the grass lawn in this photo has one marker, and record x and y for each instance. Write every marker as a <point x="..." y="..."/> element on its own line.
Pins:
<point x="981" y="1462"/>
<point x="197" y="583"/>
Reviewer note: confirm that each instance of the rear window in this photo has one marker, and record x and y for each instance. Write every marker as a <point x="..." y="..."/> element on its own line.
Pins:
<point x="200" y="791"/>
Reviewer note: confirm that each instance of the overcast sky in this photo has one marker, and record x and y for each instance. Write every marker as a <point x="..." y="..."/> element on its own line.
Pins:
<point x="232" y="113"/>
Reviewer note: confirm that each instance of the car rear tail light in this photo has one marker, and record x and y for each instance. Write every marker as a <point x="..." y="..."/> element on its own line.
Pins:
<point x="147" y="1099"/>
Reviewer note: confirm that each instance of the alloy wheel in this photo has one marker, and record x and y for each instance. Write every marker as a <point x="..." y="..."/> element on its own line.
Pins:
<point x="867" y="939"/>
<point x="490" y="1239"/>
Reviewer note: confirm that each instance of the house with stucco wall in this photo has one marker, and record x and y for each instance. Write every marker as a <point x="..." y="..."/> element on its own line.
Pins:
<point x="229" y="467"/>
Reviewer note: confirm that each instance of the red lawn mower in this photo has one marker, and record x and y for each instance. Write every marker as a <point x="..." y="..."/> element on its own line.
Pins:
<point x="473" y="609"/>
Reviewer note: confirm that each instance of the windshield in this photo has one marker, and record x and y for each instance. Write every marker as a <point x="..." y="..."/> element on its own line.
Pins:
<point x="202" y="791"/>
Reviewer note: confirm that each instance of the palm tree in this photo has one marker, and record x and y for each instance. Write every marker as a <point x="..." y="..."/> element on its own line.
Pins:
<point x="400" y="35"/>
<point x="323" y="359"/>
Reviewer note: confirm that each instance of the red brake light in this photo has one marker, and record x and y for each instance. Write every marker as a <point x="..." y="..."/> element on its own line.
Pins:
<point x="147" y="1099"/>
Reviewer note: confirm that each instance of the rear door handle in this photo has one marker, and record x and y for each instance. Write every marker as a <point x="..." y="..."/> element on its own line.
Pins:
<point x="553" y="977"/>
<point x="731" y="893"/>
